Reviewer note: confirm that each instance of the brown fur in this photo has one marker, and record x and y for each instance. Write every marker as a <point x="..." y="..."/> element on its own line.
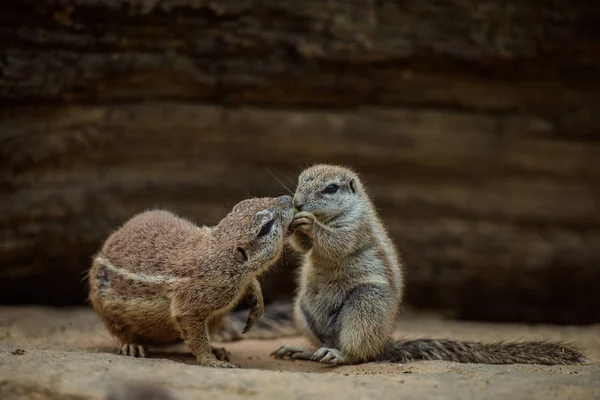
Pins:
<point x="351" y="285"/>
<point x="160" y="278"/>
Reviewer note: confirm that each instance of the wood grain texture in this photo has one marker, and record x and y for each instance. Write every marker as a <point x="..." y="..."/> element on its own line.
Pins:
<point x="474" y="124"/>
<point x="495" y="218"/>
<point x="493" y="56"/>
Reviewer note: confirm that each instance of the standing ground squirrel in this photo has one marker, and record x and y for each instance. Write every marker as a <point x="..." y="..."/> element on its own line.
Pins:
<point x="160" y="278"/>
<point x="351" y="284"/>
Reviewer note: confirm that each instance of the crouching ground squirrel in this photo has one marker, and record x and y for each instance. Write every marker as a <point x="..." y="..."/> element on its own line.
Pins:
<point x="351" y="284"/>
<point x="160" y="278"/>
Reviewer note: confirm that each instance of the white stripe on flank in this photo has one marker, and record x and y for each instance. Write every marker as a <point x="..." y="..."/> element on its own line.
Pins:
<point x="138" y="277"/>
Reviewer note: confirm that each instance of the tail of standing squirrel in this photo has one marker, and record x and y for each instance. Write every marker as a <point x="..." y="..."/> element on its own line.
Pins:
<point x="531" y="352"/>
<point x="277" y="322"/>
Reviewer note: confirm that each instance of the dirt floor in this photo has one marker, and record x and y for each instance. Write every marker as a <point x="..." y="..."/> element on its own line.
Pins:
<point x="67" y="354"/>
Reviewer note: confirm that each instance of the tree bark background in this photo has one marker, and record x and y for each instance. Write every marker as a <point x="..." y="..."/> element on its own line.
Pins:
<point x="474" y="124"/>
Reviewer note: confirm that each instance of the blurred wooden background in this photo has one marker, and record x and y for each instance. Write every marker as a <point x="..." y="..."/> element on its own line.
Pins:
<point x="474" y="124"/>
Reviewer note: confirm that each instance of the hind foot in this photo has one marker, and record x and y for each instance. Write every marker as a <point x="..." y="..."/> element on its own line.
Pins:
<point x="293" y="352"/>
<point x="221" y="353"/>
<point x="133" y="350"/>
<point x="219" y="364"/>
<point x="329" y="356"/>
<point x="214" y="363"/>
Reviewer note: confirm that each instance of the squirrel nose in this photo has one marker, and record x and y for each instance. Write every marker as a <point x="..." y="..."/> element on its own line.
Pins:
<point x="298" y="204"/>
<point x="285" y="199"/>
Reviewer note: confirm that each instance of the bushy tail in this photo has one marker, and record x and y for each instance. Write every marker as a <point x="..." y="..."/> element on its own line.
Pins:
<point x="536" y="352"/>
<point x="276" y="322"/>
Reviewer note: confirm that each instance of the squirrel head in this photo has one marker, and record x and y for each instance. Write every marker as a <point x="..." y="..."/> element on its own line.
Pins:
<point x="255" y="230"/>
<point x="329" y="192"/>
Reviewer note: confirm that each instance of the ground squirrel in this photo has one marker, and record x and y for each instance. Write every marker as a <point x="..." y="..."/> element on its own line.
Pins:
<point x="160" y="278"/>
<point x="351" y="284"/>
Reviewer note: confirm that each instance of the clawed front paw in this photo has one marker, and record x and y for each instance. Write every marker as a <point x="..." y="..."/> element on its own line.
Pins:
<point x="257" y="309"/>
<point x="303" y="222"/>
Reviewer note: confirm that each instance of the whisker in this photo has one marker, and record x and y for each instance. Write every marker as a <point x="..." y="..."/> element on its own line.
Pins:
<point x="280" y="182"/>
<point x="85" y="274"/>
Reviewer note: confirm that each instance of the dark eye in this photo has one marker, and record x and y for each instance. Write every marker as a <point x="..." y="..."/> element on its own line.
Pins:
<point x="266" y="228"/>
<point x="331" y="189"/>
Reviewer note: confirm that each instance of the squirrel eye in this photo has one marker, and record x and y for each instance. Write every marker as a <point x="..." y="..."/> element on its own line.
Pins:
<point x="331" y="189"/>
<point x="266" y="228"/>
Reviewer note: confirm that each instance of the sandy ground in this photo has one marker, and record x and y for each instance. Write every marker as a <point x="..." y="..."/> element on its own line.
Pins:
<point x="68" y="354"/>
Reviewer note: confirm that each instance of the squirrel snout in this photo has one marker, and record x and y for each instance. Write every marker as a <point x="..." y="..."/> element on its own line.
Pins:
<point x="298" y="204"/>
<point x="287" y="200"/>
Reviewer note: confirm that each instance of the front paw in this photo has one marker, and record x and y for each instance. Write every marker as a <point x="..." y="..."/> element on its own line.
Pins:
<point x="254" y="299"/>
<point x="254" y="315"/>
<point x="303" y="222"/>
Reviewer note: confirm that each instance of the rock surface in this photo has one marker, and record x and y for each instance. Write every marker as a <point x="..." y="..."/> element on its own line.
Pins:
<point x="66" y="354"/>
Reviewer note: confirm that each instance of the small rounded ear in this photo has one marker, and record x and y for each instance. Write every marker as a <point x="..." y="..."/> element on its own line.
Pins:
<point x="352" y="185"/>
<point x="241" y="255"/>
